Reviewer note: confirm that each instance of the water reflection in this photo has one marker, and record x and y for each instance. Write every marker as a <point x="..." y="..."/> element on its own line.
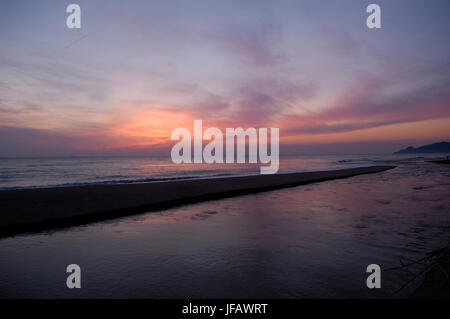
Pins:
<point x="308" y="241"/>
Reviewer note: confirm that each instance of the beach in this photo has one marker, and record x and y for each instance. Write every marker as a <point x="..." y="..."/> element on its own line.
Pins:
<point x="309" y="241"/>
<point x="225" y="153"/>
<point x="25" y="209"/>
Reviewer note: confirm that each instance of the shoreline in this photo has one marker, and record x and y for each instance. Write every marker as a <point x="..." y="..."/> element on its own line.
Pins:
<point x="167" y="179"/>
<point x="25" y="210"/>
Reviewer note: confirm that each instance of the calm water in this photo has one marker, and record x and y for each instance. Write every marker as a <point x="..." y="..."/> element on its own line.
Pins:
<point x="51" y="172"/>
<point x="309" y="241"/>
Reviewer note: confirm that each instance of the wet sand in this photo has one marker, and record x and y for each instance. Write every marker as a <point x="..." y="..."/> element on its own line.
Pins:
<point x="31" y="209"/>
<point x="436" y="282"/>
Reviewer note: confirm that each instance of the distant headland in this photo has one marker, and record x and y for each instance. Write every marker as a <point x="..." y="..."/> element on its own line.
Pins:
<point x="441" y="147"/>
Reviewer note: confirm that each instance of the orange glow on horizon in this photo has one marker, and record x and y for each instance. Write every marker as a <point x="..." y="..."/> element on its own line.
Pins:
<point x="150" y="127"/>
<point x="431" y="129"/>
<point x="155" y="126"/>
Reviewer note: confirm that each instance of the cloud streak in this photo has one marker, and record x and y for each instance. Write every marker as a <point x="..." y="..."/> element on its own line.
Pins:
<point x="154" y="66"/>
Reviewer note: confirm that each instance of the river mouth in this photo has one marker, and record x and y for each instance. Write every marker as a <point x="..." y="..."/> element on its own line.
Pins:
<point x="310" y="241"/>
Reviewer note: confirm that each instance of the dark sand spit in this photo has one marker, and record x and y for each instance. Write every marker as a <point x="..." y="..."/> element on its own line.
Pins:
<point x="34" y="209"/>
<point x="441" y="161"/>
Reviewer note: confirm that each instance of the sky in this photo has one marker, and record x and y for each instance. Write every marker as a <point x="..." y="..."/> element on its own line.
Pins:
<point x="136" y="70"/>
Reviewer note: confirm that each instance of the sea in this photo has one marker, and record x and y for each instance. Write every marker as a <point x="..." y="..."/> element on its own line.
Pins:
<point x="309" y="241"/>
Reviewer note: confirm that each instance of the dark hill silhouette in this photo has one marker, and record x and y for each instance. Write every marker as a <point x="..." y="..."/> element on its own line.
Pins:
<point x="441" y="147"/>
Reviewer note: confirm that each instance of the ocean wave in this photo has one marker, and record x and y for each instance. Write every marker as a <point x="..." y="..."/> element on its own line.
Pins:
<point x="346" y="161"/>
<point x="113" y="182"/>
<point x="174" y="178"/>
